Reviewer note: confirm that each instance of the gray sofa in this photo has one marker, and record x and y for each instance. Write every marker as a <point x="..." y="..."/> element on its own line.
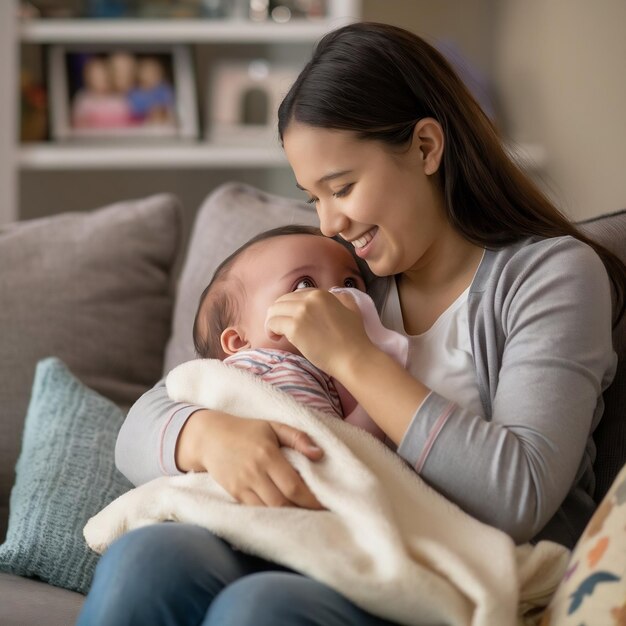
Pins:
<point x="99" y="291"/>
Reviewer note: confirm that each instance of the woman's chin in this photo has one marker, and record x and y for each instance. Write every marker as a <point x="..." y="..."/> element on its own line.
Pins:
<point x="381" y="269"/>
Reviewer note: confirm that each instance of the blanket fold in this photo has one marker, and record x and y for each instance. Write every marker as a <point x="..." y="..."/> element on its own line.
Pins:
<point x="387" y="541"/>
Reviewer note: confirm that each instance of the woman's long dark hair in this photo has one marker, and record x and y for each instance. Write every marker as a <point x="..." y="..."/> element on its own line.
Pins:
<point x="378" y="81"/>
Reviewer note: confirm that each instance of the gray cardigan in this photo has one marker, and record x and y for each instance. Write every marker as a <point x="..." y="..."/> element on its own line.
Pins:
<point x="540" y="326"/>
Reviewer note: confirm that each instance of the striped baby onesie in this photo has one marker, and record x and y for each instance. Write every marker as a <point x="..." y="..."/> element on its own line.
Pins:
<point x="292" y="374"/>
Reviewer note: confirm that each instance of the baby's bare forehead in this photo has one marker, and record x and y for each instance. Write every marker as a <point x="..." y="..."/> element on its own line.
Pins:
<point x="296" y="241"/>
<point x="297" y="249"/>
<point x="273" y="246"/>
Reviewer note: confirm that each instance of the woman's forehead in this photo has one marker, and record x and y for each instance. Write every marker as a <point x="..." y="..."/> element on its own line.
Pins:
<point x="313" y="138"/>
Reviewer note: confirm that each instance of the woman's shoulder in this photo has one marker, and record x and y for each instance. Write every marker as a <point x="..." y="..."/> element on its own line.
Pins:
<point x="530" y="248"/>
<point x="534" y="256"/>
<point x="533" y="264"/>
<point x="545" y="287"/>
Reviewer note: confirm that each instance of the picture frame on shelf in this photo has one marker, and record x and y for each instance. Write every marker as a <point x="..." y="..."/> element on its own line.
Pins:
<point x="243" y="99"/>
<point x="106" y="92"/>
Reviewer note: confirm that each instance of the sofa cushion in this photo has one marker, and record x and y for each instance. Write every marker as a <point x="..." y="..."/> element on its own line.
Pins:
<point x="65" y="475"/>
<point x="28" y="602"/>
<point x="610" y="436"/>
<point x="93" y="289"/>
<point x="231" y="215"/>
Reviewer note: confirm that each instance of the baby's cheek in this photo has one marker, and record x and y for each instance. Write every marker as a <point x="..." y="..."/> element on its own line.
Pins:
<point x="277" y="342"/>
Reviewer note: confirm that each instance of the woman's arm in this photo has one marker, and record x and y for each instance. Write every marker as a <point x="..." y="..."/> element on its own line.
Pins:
<point x="146" y="443"/>
<point x="162" y="437"/>
<point x="546" y="348"/>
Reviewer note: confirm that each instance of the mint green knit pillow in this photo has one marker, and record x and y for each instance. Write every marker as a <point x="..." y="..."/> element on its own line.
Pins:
<point x="64" y="475"/>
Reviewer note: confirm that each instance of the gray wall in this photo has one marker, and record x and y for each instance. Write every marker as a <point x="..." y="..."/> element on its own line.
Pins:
<point x="559" y="67"/>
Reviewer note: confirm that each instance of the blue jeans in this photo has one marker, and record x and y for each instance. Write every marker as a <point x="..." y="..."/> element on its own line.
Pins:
<point x="174" y="574"/>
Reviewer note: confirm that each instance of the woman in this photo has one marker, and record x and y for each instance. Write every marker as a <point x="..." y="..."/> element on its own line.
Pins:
<point x="508" y="311"/>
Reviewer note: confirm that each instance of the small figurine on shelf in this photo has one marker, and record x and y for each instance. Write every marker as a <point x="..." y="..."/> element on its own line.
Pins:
<point x="258" y="10"/>
<point x="243" y="98"/>
<point x="34" y="109"/>
<point x="282" y="11"/>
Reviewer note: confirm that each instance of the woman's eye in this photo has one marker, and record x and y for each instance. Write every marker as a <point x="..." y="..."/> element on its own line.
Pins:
<point x="305" y="283"/>
<point x="344" y="191"/>
<point x="351" y="283"/>
<point x="311" y="200"/>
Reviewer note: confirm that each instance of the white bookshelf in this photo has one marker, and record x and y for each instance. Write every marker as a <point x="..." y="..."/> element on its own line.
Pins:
<point x="199" y="31"/>
<point x="51" y="156"/>
<point x="165" y="156"/>
<point x="47" y="156"/>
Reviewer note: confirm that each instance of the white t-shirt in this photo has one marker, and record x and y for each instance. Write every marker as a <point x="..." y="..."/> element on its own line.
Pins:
<point x="441" y="357"/>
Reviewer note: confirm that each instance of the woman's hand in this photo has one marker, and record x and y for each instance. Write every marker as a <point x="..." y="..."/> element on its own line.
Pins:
<point x="243" y="455"/>
<point x="326" y="328"/>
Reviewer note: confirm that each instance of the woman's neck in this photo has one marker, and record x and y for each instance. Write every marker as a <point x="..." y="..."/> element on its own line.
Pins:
<point x="440" y="277"/>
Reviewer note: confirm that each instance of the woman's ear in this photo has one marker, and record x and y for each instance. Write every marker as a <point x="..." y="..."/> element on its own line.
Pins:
<point x="232" y="341"/>
<point x="428" y="139"/>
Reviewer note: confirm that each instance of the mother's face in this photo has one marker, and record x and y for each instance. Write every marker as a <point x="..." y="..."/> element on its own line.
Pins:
<point x="386" y="201"/>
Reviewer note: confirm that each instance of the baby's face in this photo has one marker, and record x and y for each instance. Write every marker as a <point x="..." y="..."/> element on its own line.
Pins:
<point x="280" y="265"/>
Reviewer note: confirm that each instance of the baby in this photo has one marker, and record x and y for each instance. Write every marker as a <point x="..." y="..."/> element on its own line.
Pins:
<point x="230" y="320"/>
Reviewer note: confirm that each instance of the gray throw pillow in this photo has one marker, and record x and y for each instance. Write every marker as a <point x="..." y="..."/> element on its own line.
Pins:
<point x="231" y="215"/>
<point x="93" y="289"/>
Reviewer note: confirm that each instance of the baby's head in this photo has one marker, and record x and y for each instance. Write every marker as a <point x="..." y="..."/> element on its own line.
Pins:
<point x="232" y="309"/>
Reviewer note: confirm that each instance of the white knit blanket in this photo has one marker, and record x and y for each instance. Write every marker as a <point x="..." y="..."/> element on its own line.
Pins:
<point x="388" y="541"/>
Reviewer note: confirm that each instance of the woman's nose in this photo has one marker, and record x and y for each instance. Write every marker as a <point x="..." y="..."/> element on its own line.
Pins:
<point x="332" y="222"/>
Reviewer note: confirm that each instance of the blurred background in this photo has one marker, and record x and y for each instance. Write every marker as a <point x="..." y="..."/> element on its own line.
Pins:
<point x="549" y="73"/>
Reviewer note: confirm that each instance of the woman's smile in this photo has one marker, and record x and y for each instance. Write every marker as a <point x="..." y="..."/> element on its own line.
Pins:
<point x="363" y="243"/>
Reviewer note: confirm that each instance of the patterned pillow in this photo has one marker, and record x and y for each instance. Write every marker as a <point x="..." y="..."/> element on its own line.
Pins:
<point x="64" y="475"/>
<point x="593" y="592"/>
